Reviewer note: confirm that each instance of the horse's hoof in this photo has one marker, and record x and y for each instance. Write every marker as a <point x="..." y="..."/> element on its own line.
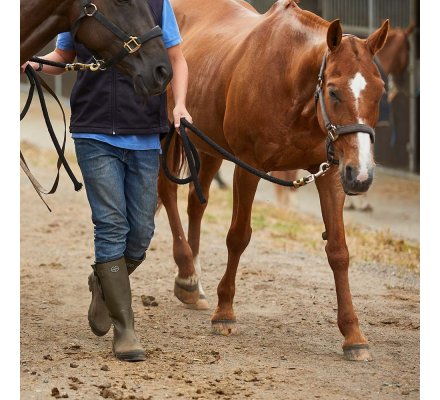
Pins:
<point x="357" y="352"/>
<point x="223" y="327"/>
<point x="367" y="208"/>
<point x="202" y="304"/>
<point x="187" y="290"/>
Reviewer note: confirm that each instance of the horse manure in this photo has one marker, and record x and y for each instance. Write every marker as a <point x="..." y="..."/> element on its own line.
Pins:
<point x="149" y="301"/>
<point x="56" y="393"/>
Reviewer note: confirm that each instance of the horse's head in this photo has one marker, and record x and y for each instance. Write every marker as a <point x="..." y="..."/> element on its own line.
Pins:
<point x="394" y="55"/>
<point x="350" y="95"/>
<point x="148" y="64"/>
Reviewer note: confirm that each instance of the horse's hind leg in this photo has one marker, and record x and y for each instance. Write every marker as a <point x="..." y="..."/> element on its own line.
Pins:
<point x="209" y="166"/>
<point x="332" y="202"/>
<point x="186" y="285"/>
<point x="239" y="235"/>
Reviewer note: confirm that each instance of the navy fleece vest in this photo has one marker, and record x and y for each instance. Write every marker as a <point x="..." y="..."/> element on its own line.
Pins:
<point x="105" y="101"/>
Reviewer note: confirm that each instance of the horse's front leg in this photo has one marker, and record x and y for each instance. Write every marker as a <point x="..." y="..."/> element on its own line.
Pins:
<point x="209" y="166"/>
<point x="239" y="235"/>
<point x="186" y="283"/>
<point x="332" y="197"/>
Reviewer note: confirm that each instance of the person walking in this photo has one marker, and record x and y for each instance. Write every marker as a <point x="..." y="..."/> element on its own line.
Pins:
<point x="117" y="144"/>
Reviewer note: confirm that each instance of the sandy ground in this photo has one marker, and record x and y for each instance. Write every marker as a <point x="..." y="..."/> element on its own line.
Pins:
<point x="288" y="345"/>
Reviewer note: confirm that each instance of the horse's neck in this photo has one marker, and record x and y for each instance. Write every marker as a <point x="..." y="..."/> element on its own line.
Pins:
<point x="276" y="86"/>
<point x="292" y="59"/>
<point x="40" y="22"/>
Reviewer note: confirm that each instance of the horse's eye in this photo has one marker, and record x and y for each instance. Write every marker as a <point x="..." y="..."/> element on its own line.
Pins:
<point x="333" y="95"/>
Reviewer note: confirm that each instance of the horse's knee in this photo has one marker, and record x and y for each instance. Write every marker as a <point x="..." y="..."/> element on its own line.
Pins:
<point x="237" y="241"/>
<point x="338" y="256"/>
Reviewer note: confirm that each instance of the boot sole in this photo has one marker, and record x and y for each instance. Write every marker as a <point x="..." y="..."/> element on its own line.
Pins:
<point x="131" y="356"/>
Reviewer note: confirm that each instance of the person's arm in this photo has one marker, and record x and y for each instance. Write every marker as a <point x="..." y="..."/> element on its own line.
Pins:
<point x="58" y="55"/>
<point x="64" y="52"/>
<point x="179" y="84"/>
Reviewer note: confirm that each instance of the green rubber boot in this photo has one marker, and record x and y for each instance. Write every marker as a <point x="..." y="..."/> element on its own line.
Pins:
<point x="115" y="284"/>
<point x="99" y="320"/>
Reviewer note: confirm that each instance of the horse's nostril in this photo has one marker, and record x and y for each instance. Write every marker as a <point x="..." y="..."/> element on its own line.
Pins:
<point x="161" y="73"/>
<point x="349" y="173"/>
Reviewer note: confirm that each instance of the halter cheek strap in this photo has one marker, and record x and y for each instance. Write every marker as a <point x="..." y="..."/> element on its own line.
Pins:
<point x="333" y="130"/>
<point x="131" y="44"/>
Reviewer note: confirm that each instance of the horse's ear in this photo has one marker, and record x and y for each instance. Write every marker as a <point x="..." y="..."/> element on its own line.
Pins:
<point x="410" y="29"/>
<point x="334" y="34"/>
<point x="377" y="39"/>
<point x="288" y="3"/>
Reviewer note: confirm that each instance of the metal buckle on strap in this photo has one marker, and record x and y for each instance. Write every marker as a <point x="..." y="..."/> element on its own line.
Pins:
<point x="331" y="131"/>
<point x="133" y="41"/>
<point x="94" y="9"/>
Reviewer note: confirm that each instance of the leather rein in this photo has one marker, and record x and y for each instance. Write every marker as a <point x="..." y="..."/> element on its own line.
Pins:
<point x="334" y="131"/>
<point x="131" y="44"/>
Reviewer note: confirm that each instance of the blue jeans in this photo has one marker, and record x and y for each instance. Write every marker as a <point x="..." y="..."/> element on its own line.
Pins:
<point x="121" y="187"/>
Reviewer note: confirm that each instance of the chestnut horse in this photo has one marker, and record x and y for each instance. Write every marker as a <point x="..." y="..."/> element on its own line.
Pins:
<point x="394" y="55"/>
<point x="393" y="58"/>
<point x="252" y="89"/>
<point x="147" y="63"/>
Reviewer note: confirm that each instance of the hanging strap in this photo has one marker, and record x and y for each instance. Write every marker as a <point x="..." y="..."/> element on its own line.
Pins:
<point x="39" y="83"/>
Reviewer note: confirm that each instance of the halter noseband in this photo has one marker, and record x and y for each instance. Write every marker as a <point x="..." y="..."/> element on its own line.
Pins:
<point x="131" y="43"/>
<point x="334" y="131"/>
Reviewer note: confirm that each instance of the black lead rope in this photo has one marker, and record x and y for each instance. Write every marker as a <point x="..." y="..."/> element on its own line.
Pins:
<point x="194" y="161"/>
<point x="39" y="83"/>
<point x="68" y="67"/>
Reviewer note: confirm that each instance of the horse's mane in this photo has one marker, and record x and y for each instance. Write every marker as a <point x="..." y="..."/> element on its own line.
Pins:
<point x="305" y="17"/>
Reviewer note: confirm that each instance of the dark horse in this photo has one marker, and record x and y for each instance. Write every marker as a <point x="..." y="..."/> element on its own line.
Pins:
<point x="253" y="80"/>
<point x="147" y="64"/>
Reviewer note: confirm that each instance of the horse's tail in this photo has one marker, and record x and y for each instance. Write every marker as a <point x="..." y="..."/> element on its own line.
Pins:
<point x="177" y="165"/>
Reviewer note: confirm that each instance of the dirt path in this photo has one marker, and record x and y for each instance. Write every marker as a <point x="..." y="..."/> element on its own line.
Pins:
<point x="288" y="346"/>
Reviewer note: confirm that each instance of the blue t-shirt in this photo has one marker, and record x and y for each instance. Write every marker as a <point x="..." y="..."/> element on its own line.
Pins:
<point x="171" y="37"/>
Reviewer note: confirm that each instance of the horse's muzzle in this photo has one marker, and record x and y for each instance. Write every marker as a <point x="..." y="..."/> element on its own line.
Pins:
<point x="354" y="181"/>
<point x="155" y="83"/>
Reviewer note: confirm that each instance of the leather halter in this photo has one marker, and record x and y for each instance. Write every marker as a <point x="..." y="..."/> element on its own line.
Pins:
<point x="334" y="131"/>
<point x="131" y="44"/>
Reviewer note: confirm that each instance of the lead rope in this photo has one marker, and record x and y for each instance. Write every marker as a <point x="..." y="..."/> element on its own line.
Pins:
<point x="194" y="161"/>
<point x="97" y="65"/>
<point x="39" y="83"/>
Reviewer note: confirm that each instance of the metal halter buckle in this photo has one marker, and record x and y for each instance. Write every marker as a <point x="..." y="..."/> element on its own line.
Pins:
<point x="133" y="40"/>
<point x="331" y="130"/>
<point x="90" y="14"/>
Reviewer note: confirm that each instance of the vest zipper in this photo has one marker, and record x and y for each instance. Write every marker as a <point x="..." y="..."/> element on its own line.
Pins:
<point x="114" y="101"/>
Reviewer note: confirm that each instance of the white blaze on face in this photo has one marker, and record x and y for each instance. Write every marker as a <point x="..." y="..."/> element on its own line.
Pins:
<point x="357" y="85"/>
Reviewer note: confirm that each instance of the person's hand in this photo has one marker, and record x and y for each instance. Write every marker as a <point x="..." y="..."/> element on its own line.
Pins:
<point x="180" y="112"/>
<point x="31" y="63"/>
<point x="23" y="67"/>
